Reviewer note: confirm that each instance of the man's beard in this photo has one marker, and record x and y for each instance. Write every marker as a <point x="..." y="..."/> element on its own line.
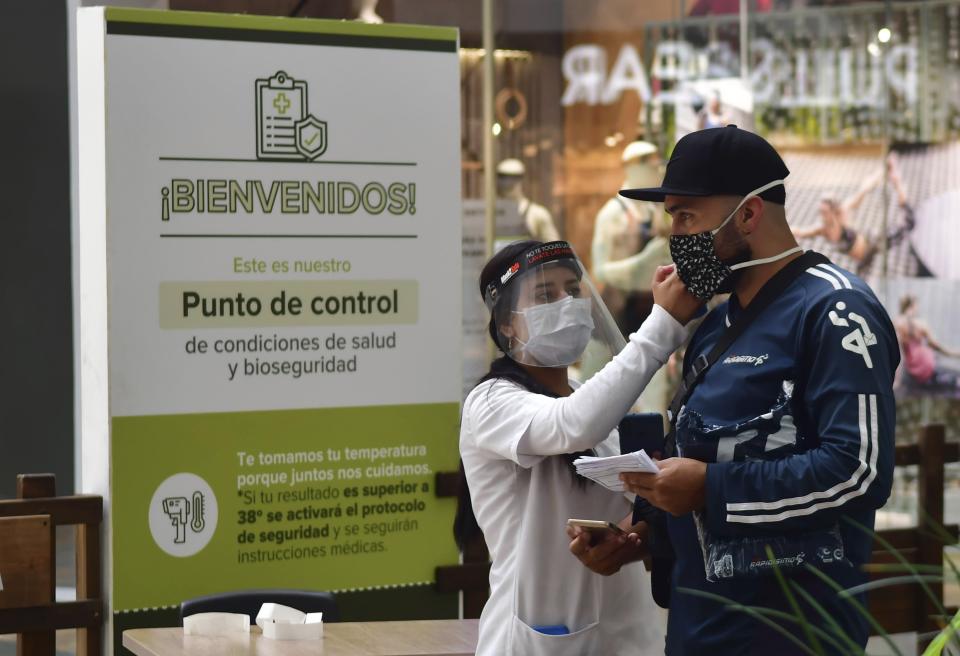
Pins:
<point x="741" y="253"/>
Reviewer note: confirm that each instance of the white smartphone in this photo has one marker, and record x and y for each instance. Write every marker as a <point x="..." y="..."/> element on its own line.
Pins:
<point x="595" y="525"/>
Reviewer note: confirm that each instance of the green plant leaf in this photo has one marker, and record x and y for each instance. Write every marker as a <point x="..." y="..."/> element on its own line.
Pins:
<point x="938" y="603"/>
<point x="895" y="567"/>
<point x="769" y="612"/>
<point x="939" y="529"/>
<point x="953" y="568"/>
<point x="935" y="648"/>
<point x="804" y="624"/>
<point x="859" y="608"/>
<point x="946" y="537"/>
<point x="853" y="647"/>
<point x="888" y="582"/>
<point x="755" y="613"/>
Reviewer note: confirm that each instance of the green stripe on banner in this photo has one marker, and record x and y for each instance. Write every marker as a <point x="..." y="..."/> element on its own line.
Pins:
<point x="272" y="29"/>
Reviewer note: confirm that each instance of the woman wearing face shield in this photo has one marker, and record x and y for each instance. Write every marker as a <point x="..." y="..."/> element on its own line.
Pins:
<point x="522" y="427"/>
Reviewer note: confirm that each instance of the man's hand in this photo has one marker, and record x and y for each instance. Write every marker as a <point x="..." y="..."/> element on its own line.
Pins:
<point x="678" y="488"/>
<point x="605" y="553"/>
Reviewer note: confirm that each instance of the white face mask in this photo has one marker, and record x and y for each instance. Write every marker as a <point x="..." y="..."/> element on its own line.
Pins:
<point x="558" y="332"/>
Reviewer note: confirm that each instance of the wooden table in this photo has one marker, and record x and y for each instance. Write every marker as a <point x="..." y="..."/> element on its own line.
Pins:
<point x="414" y="638"/>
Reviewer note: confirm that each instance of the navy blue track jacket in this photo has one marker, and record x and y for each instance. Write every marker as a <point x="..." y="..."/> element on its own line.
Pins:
<point x="798" y="418"/>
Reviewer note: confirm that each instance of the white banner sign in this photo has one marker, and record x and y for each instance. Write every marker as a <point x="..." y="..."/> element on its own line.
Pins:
<point x="270" y="300"/>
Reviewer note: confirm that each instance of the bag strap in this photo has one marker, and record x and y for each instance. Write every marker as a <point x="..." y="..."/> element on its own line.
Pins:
<point x="767" y="294"/>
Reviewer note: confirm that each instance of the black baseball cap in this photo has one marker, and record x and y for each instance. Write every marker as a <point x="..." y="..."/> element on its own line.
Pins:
<point x="719" y="162"/>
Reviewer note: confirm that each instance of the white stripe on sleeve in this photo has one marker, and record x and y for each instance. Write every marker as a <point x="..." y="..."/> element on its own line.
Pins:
<point x="809" y="510"/>
<point x="824" y="494"/>
<point x="838" y="274"/>
<point x="826" y="276"/>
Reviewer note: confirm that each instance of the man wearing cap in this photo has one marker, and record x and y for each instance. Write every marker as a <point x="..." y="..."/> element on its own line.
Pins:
<point x="784" y="440"/>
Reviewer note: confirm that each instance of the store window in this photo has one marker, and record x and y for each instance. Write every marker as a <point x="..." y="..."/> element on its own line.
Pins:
<point x="861" y="98"/>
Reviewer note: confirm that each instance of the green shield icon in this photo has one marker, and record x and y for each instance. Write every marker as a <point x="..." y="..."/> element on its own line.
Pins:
<point x="311" y="135"/>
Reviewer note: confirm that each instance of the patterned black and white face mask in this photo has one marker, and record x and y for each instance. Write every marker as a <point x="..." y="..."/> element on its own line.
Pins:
<point x="698" y="266"/>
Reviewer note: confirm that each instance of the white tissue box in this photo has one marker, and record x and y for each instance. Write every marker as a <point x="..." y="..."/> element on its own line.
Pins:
<point x="281" y="631"/>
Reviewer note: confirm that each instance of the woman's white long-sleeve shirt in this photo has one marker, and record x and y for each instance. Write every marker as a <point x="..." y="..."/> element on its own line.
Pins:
<point x="522" y="498"/>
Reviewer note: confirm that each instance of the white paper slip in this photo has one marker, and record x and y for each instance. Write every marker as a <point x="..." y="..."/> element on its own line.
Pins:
<point x="216" y="624"/>
<point x="281" y="622"/>
<point x="606" y="471"/>
<point x="283" y="631"/>
<point x="270" y="612"/>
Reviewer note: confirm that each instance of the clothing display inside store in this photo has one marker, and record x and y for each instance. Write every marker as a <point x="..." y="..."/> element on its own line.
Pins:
<point x="536" y="218"/>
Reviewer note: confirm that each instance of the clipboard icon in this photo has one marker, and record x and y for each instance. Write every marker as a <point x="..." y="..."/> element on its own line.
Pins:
<point x="281" y="103"/>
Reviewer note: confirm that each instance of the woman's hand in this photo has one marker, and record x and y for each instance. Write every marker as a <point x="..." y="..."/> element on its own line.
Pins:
<point x="671" y="294"/>
<point x="607" y="552"/>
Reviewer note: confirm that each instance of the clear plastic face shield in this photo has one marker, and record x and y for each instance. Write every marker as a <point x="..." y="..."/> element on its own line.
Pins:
<point x="547" y="311"/>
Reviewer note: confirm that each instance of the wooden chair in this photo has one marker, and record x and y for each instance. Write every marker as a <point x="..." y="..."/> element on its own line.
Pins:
<point x="27" y="567"/>
<point x="899" y="609"/>
<point x="904" y="608"/>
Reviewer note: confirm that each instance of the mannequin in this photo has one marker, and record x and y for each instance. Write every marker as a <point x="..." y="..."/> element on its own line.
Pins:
<point x="536" y="218"/>
<point x="367" y="11"/>
<point x="630" y="240"/>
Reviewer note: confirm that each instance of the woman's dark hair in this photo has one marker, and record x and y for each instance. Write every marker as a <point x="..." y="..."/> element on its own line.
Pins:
<point x="465" y="524"/>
